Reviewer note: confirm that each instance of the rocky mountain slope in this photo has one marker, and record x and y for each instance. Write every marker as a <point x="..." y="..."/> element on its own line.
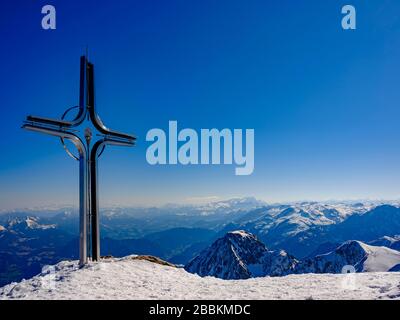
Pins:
<point x="240" y="255"/>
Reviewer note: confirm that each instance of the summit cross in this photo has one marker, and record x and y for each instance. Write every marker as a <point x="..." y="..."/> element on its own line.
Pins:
<point x="90" y="147"/>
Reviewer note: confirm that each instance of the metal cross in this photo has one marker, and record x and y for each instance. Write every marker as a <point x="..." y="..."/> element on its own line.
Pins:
<point x="88" y="156"/>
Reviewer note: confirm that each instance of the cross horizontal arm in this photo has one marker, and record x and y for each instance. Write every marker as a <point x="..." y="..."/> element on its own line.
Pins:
<point x="58" y="133"/>
<point x="117" y="142"/>
<point x="48" y="121"/>
<point x="109" y="133"/>
<point x="116" y="134"/>
<point x="61" y="123"/>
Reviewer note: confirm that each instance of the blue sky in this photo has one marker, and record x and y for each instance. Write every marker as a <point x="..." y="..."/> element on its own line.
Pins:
<point x="324" y="102"/>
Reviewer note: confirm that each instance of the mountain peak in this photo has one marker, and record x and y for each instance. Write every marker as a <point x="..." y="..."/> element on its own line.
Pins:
<point x="351" y="244"/>
<point x="33" y="223"/>
<point x="240" y="255"/>
<point x="241" y="233"/>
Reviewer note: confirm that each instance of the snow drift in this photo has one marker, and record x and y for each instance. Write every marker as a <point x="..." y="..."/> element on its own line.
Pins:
<point x="126" y="278"/>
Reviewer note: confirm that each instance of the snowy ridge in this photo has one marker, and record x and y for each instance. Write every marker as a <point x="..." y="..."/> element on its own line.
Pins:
<point x="32" y="223"/>
<point x="28" y="222"/>
<point x="390" y="242"/>
<point x="380" y="258"/>
<point x="134" y="279"/>
<point x="298" y="217"/>
<point x="364" y="258"/>
<point x="229" y="206"/>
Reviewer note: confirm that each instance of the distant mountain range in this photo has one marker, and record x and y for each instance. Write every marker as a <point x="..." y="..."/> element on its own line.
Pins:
<point x="29" y="240"/>
<point x="303" y="228"/>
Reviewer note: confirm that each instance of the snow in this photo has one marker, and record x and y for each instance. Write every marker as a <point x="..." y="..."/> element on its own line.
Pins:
<point x="32" y="223"/>
<point x="380" y="258"/>
<point x="299" y="217"/>
<point x="241" y="233"/>
<point x="363" y="257"/>
<point x="126" y="278"/>
<point x="391" y="240"/>
<point x="230" y="206"/>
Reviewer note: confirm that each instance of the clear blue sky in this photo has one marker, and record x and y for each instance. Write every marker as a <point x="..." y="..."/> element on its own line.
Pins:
<point x="324" y="102"/>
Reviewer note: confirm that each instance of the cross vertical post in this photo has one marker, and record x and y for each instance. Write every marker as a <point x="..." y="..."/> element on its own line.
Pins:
<point x="83" y="208"/>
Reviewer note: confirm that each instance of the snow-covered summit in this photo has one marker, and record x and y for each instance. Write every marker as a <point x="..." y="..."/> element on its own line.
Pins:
<point x="25" y="223"/>
<point x="231" y="205"/>
<point x="241" y="233"/>
<point x="33" y="223"/>
<point x="126" y="278"/>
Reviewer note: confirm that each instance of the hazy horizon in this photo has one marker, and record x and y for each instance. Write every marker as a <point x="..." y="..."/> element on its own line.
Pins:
<point x="323" y="102"/>
<point x="53" y="206"/>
